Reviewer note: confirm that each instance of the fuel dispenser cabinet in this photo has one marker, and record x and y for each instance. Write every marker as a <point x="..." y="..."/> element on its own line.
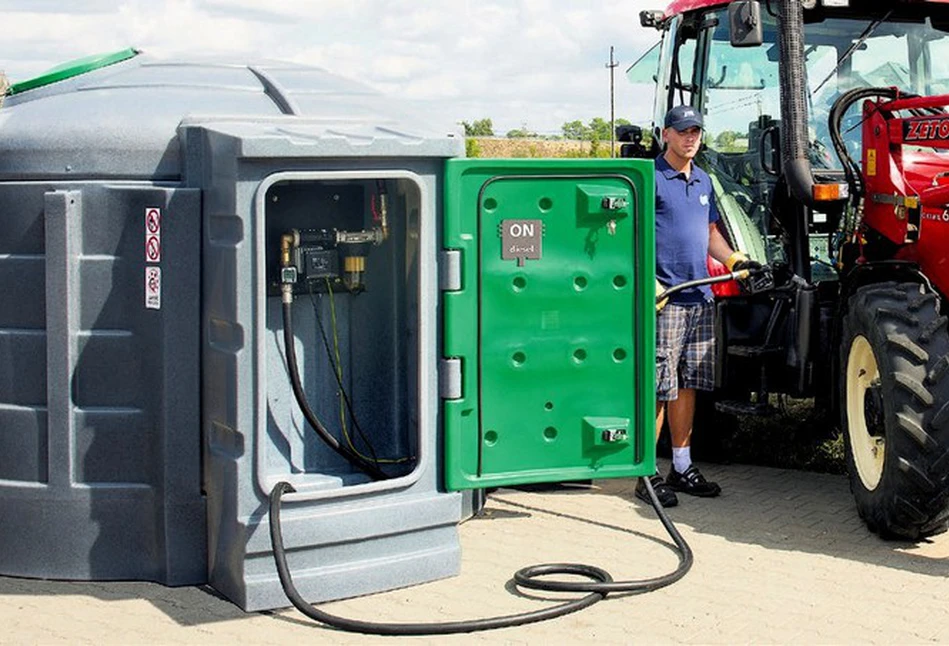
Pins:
<point x="217" y="277"/>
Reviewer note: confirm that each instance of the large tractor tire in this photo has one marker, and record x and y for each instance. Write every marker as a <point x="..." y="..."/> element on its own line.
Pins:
<point x="894" y="358"/>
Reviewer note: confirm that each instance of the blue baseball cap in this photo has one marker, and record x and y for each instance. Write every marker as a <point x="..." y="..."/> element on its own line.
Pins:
<point x="683" y="117"/>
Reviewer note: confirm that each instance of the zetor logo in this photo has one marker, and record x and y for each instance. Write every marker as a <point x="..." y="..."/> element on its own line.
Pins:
<point x="925" y="129"/>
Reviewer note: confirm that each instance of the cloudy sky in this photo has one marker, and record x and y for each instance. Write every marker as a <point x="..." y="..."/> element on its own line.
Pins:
<point x="533" y="63"/>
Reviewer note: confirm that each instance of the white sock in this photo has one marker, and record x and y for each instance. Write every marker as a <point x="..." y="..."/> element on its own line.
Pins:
<point x="681" y="458"/>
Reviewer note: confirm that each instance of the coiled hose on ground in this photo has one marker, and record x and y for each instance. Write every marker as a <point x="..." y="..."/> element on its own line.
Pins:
<point x="600" y="584"/>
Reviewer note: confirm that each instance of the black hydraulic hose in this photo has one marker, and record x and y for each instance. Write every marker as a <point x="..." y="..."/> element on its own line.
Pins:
<point x="352" y="457"/>
<point x="835" y="117"/>
<point x="600" y="585"/>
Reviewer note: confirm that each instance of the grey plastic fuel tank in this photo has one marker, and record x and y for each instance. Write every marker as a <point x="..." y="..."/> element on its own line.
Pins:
<point x="146" y="406"/>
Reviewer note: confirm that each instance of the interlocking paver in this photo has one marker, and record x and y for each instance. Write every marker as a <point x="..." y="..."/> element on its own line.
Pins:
<point x="780" y="557"/>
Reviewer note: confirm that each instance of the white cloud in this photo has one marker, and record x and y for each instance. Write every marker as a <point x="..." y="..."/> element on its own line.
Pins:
<point x="182" y="26"/>
<point x="539" y="62"/>
<point x="294" y="9"/>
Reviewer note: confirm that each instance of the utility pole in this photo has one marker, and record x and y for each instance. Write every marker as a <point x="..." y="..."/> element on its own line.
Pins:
<point x="612" y="66"/>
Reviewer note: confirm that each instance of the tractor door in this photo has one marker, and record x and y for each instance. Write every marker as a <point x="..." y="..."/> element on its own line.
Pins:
<point x="767" y="342"/>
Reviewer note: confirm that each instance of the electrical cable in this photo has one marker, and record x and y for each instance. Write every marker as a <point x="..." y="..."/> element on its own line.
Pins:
<point x="337" y="372"/>
<point x="337" y="366"/>
<point x="371" y="469"/>
<point x="600" y="584"/>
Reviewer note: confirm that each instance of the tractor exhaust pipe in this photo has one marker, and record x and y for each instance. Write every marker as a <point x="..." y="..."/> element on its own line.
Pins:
<point x="794" y="140"/>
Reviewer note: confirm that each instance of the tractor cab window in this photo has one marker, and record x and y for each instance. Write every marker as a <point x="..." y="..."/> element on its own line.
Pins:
<point x="740" y="91"/>
<point x="938" y="49"/>
<point x="875" y="51"/>
<point x="676" y="83"/>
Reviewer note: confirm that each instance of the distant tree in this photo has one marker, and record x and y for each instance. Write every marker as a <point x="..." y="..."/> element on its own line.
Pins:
<point x="600" y="128"/>
<point x="479" y="128"/>
<point x="725" y="141"/>
<point x="520" y="133"/>
<point x="647" y="138"/>
<point x="575" y="130"/>
<point x="596" y="132"/>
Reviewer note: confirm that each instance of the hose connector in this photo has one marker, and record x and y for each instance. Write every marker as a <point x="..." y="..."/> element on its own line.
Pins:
<point x="288" y="271"/>
<point x="287" y="242"/>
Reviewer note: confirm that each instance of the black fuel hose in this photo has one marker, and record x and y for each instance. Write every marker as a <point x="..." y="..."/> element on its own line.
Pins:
<point x="599" y="585"/>
<point x="740" y="274"/>
<point x="352" y="457"/>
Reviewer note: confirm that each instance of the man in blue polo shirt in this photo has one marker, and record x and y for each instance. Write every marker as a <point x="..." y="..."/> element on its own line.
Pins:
<point x="686" y="233"/>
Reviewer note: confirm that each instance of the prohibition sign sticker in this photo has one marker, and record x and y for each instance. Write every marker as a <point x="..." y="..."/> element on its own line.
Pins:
<point x="152" y="249"/>
<point x="152" y="234"/>
<point x="153" y="288"/>
<point x="153" y="220"/>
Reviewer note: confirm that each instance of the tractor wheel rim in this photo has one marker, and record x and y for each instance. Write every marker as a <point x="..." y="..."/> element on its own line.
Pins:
<point x="869" y="450"/>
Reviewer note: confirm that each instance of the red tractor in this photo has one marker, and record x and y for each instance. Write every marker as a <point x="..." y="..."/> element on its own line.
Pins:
<point x="825" y="132"/>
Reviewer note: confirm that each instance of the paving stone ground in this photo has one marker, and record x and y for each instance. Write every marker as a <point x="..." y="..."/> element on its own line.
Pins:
<point x="780" y="557"/>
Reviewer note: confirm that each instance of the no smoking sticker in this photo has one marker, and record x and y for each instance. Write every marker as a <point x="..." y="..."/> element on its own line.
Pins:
<point x="152" y="234"/>
<point x="153" y="288"/>
<point x="152" y="249"/>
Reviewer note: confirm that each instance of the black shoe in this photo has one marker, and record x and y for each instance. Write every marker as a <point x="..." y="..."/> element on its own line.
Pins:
<point x="692" y="482"/>
<point x="667" y="497"/>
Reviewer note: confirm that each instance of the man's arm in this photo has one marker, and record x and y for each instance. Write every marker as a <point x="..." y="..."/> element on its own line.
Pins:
<point x="717" y="245"/>
<point x="736" y="260"/>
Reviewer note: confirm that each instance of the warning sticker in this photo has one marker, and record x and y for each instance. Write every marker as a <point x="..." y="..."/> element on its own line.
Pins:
<point x="153" y="220"/>
<point x="152" y="249"/>
<point x="153" y="288"/>
<point x="152" y="234"/>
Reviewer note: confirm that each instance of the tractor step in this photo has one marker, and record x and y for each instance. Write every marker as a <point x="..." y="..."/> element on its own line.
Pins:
<point x="752" y="350"/>
<point x="734" y="407"/>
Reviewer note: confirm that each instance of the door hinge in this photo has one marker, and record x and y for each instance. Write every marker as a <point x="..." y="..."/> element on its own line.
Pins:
<point x="449" y="378"/>
<point x="449" y="270"/>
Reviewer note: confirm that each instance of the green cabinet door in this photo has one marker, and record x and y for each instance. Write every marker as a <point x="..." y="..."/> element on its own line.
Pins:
<point x="549" y="321"/>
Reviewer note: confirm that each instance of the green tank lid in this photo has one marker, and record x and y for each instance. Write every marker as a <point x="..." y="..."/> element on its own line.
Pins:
<point x="73" y="68"/>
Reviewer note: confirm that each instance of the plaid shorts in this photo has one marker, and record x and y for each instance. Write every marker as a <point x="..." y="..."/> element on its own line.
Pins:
<point x="685" y="349"/>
